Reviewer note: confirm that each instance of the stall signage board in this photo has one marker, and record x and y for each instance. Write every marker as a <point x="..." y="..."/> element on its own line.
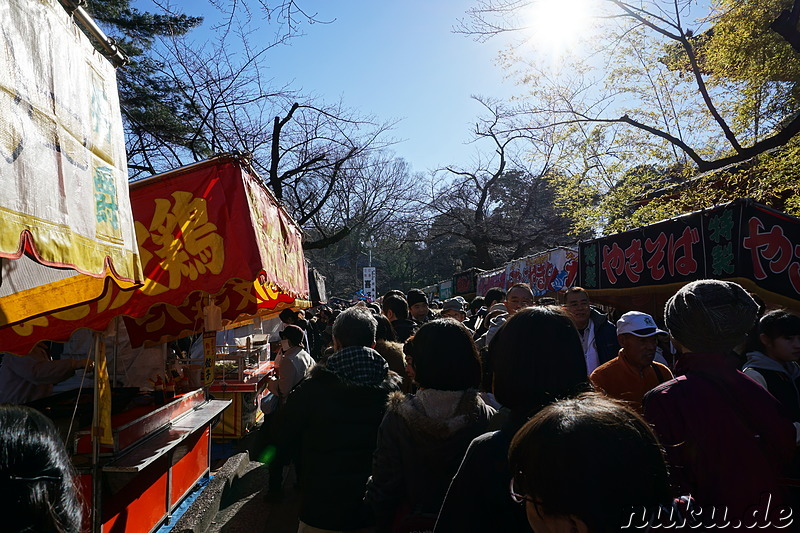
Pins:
<point x="197" y="238"/>
<point x="370" y="291"/>
<point x="545" y="272"/>
<point x="493" y="278"/>
<point x="465" y="282"/>
<point x="742" y="239"/>
<point x="446" y="289"/>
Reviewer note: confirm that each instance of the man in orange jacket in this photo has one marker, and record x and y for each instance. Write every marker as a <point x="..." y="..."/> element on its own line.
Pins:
<point x="633" y="372"/>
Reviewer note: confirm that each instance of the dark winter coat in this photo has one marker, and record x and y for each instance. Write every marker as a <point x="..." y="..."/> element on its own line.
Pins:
<point x="404" y="328"/>
<point x="727" y="439"/>
<point x="478" y="499"/>
<point x="331" y="428"/>
<point x="605" y="337"/>
<point x="781" y="380"/>
<point x="421" y="442"/>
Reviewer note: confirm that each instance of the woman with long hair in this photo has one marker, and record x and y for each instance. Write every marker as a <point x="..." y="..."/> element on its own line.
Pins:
<point x="424" y="435"/>
<point x="537" y="358"/>
<point x="36" y="476"/>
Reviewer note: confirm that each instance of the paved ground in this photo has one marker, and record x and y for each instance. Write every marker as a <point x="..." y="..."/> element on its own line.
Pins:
<point x="250" y="512"/>
<point x="246" y="509"/>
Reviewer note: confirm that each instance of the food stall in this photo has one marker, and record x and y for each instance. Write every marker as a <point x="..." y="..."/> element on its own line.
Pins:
<point x="241" y="376"/>
<point x="70" y="259"/>
<point x="466" y="283"/>
<point x="209" y="236"/>
<point x="742" y="241"/>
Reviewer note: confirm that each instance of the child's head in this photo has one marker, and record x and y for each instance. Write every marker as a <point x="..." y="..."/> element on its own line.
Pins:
<point x="779" y="334"/>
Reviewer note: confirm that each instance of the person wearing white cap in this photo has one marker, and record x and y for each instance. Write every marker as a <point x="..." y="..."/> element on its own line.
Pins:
<point x="633" y="372"/>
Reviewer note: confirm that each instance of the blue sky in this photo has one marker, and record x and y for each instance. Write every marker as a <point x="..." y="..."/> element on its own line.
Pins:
<point x="396" y="60"/>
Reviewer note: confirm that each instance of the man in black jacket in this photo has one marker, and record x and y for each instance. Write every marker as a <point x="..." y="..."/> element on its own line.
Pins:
<point x="331" y="425"/>
<point x="395" y="308"/>
<point x="598" y="335"/>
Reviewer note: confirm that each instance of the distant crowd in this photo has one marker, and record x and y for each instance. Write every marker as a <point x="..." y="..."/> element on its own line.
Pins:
<point x="509" y="414"/>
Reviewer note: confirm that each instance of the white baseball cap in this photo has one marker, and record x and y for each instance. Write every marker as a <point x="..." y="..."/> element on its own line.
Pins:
<point x="639" y="324"/>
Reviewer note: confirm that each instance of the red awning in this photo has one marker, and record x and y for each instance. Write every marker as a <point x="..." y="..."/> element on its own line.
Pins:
<point x="209" y="230"/>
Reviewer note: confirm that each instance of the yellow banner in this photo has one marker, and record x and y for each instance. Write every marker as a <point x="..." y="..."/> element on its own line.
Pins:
<point x="103" y="422"/>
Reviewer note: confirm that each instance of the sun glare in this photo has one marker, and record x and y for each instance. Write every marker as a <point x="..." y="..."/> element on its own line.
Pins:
<point x="558" y="25"/>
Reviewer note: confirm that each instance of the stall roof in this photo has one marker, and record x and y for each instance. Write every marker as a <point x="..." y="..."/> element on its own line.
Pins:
<point x="741" y="241"/>
<point x="209" y="230"/>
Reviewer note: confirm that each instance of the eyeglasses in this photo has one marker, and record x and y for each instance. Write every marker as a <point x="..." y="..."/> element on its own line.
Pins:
<point x="519" y="498"/>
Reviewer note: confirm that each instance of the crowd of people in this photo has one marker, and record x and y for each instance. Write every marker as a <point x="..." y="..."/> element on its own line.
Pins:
<point x="512" y="414"/>
<point x="507" y="414"/>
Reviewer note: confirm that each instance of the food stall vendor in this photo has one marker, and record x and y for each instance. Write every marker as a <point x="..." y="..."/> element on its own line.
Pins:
<point x="24" y="379"/>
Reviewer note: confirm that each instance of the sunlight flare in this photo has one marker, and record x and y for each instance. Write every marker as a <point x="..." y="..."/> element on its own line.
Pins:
<point x="558" y="25"/>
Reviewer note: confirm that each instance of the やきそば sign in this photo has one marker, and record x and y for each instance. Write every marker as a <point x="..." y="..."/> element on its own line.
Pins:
<point x="742" y="239"/>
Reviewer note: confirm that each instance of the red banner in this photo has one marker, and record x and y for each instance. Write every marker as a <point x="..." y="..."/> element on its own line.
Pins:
<point x="207" y="230"/>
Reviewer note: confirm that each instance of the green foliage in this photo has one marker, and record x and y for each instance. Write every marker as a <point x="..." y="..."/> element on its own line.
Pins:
<point x="636" y="119"/>
<point x="746" y="58"/>
<point x="743" y="47"/>
<point x="771" y="179"/>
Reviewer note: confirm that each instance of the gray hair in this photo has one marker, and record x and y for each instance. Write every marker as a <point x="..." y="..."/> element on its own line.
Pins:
<point x="355" y="327"/>
<point x="710" y="315"/>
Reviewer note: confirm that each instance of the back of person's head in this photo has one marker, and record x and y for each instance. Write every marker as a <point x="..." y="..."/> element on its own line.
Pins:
<point x="293" y="334"/>
<point x="537" y="358"/>
<point x="444" y="356"/>
<point x="288" y="316"/>
<point x="590" y="458"/>
<point x="779" y="323"/>
<point x="39" y="491"/>
<point x="476" y="304"/>
<point x="375" y="308"/>
<point x="355" y="327"/>
<point x="397" y="305"/>
<point x="710" y="315"/>
<point x="494" y="295"/>
<point x="395" y="292"/>
<point x="385" y="331"/>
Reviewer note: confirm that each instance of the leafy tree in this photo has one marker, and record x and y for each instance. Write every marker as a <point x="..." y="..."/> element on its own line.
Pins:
<point x="661" y="86"/>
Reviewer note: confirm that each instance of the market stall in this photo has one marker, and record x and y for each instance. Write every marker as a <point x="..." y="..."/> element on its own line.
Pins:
<point x="210" y="236"/>
<point x="742" y="241"/>
<point x="67" y="236"/>
<point x="70" y="259"/>
<point x="547" y="272"/>
<point x="465" y="283"/>
<point x="241" y="376"/>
